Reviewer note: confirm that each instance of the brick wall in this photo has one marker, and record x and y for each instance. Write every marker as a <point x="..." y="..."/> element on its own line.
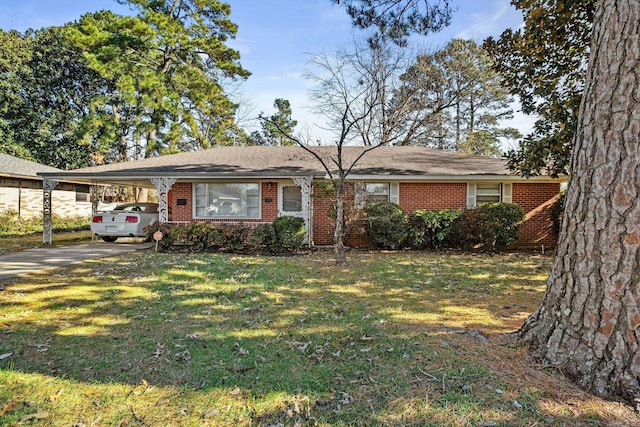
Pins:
<point x="184" y="213"/>
<point x="433" y="196"/>
<point x="536" y="200"/>
<point x="323" y="227"/>
<point x="181" y="190"/>
<point x="63" y="202"/>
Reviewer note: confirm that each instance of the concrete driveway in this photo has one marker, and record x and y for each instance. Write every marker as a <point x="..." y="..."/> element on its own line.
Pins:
<point x="34" y="260"/>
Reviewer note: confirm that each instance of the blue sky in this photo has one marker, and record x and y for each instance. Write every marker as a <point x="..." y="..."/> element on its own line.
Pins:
<point x="276" y="38"/>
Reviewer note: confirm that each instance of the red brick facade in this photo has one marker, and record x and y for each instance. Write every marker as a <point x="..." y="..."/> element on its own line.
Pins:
<point x="184" y="213"/>
<point x="433" y="196"/>
<point x="535" y="199"/>
<point x="323" y="226"/>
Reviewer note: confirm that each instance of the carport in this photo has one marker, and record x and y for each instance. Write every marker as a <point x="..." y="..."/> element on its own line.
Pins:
<point x="113" y="174"/>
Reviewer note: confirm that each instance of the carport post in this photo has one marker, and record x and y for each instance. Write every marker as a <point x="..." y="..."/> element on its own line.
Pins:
<point x="305" y="188"/>
<point x="163" y="185"/>
<point x="48" y="185"/>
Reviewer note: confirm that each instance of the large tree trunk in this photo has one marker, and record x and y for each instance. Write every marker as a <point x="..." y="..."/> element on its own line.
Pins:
<point x="589" y="322"/>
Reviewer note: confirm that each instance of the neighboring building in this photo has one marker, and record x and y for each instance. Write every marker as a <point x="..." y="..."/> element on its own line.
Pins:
<point x="21" y="190"/>
<point x="254" y="185"/>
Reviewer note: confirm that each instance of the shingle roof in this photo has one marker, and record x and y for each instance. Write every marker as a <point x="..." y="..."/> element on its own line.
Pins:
<point x="259" y="161"/>
<point x="16" y="167"/>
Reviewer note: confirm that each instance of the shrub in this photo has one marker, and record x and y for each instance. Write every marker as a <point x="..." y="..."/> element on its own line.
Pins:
<point x="237" y="238"/>
<point x="202" y="236"/>
<point x="431" y="228"/>
<point x="11" y="224"/>
<point x="387" y="225"/>
<point x="289" y="232"/>
<point x="556" y="212"/>
<point x="491" y="226"/>
<point x="264" y="238"/>
<point x="169" y="234"/>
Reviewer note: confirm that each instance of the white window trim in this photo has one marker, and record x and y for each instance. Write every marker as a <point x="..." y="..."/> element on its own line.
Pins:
<point x="225" y="218"/>
<point x="359" y="193"/>
<point x="506" y="193"/>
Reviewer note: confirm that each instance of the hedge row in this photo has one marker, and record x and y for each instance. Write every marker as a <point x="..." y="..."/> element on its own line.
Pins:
<point x="490" y="227"/>
<point x="284" y="235"/>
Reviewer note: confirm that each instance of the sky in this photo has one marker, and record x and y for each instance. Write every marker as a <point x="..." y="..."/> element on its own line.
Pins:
<point x="276" y="39"/>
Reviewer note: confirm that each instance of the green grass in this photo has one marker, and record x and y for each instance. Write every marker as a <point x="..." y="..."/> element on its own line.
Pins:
<point x="192" y="340"/>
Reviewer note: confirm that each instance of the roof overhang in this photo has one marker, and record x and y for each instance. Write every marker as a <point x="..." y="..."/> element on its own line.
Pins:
<point x="456" y="178"/>
<point x="145" y="180"/>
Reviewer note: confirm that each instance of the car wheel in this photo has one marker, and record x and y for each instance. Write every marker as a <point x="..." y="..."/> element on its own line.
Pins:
<point x="109" y="239"/>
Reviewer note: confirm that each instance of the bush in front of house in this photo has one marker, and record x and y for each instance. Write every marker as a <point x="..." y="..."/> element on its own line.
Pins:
<point x="201" y="236"/>
<point x="264" y="239"/>
<point x="386" y="225"/>
<point x="290" y="232"/>
<point x="431" y="229"/>
<point x="170" y="234"/>
<point x="285" y="234"/>
<point x="11" y="224"/>
<point x="489" y="227"/>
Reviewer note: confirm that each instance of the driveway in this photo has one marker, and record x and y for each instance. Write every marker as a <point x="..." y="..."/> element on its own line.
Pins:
<point x="34" y="260"/>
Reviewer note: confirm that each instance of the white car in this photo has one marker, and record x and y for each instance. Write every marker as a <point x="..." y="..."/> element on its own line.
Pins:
<point x="127" y="220"/>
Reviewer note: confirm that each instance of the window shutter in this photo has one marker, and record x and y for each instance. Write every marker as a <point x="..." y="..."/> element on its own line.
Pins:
<point x="506" y="193"/>
<point x="471" y="195"/>
<point x="394" y="192"/>
<point x="358" y="195"/>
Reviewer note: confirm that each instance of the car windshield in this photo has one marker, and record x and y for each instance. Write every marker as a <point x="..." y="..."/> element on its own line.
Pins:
<point x="135" y="208"/>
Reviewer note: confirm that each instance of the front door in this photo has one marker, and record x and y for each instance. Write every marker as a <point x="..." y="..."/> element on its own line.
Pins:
<point x="290" y="200"/>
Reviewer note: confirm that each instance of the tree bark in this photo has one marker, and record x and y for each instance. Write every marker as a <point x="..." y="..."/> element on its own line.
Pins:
<point x="338" y="233"/>
<point x="588" y="325"/>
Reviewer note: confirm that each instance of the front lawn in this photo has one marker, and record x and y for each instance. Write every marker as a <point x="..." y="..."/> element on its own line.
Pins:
<point x="196" y="340"/>
<point x="17" y="243"/>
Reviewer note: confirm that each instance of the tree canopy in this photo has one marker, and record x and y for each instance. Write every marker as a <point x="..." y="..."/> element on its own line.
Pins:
<point x="46" y="92"/>
<point x="167" y="64"/>
<point x="544" y="64"/>
<point x="398" y="19"/>
<point x="275" y="131"/>
<point x="456" y="88"/>
<point x="110" y="88"/>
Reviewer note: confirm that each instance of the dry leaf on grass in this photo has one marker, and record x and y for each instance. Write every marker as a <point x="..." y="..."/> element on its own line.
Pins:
<point x="55" y="397"/>
<point x="39" y="415"/>
<point x="140" y="388"/>
<point x="9" y="406"/>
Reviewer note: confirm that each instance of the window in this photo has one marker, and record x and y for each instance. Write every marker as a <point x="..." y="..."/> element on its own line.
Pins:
<point x="376" y="192"/>
<point x="291" y="199"/>
<point x="479" y="193"/>
<point x="83" y="194"/>
<point x="488" y="193"/>
<point x="227" y="200"/>
<point x="371" y="192"/>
